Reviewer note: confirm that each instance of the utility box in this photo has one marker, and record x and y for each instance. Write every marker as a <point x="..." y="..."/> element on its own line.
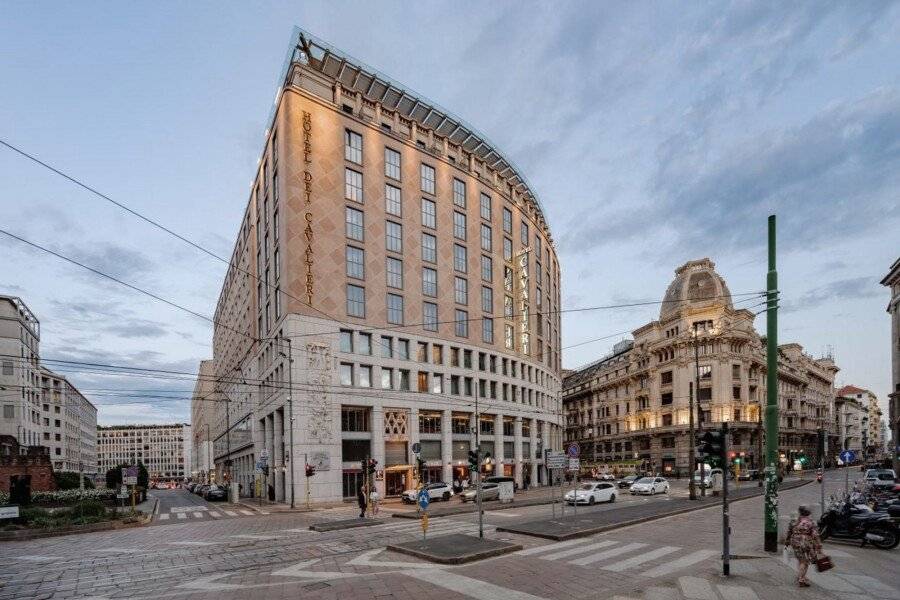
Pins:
<point x="233" y="492"/>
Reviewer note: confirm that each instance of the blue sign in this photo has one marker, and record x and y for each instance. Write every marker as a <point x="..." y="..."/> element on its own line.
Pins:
<point x="424" y="499"/>
<point x="573" y="450"/>
<point x="848" y="456"/>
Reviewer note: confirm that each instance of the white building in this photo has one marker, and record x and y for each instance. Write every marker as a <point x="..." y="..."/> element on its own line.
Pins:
<point x="202" y="417"/>
<point x="70" y="425"/>
<point x="892" y="281"/>
<point x="164" y="449"/>
<point x="20" y="389"/>
<point x="852" y="420"/>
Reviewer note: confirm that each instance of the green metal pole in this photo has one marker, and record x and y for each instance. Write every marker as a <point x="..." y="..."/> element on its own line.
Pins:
<point x="771" y="500"/>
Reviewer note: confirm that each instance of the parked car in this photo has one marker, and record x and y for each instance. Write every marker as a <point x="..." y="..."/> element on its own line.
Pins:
<point x="201" y="491"/>
<point x="626" y="481"/>
<point x="650" y="486"/>
<point x="436" y="491"/>
<point x="501" y="479"/>
<point x="489" y="491"/>
<point x="749" y="475"/>
<point x="215" y="492"/>
<point x="881" y="478"/>
<point x="592" y="493"/>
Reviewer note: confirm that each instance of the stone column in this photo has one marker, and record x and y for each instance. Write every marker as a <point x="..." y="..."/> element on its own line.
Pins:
<point x="412" y="430"/>
<point x="278" y="454"/>
<point x="498" y="444"/>
<point x="532" y="447"/>
<point x="378" y="443"/>
<point x="447" y="445"/>
<point x="270" y="448"/>
<point x="517" y="451"/>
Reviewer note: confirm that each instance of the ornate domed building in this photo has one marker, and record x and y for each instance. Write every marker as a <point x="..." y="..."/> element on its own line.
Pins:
<point x="631" y="409"/>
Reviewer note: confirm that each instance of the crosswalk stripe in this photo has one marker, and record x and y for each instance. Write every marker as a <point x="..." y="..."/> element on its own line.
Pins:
<point x="681" y="563"/>
<point x="214" y="514"/>
<point x="230" y="513"/>
<point x="641" y="559"/>
<point x="587" y="560"/>
<point x="696" y="588"/>
<point x="198" y="515"/>
<point x="182" y="516"/>
<point x="737" y="592"/>
<point x="578" y="550"/>
<point x="539" y="549"/>
<point x="164" y="517"/>
<point x="246" y="512"/>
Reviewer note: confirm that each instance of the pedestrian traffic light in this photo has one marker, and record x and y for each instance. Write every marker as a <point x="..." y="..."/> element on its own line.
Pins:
<point x="473" y="460"/>
<point x="310" y="470"/>
<point x="712" y="445"/>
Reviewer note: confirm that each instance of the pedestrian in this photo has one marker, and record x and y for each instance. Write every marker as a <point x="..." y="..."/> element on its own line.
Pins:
<point x="457" y="486"/>
<point x="465" y="483"/>
<point x="375" y="497"/>
<point x="803" y="538"/>
<point x="361" y="500"/>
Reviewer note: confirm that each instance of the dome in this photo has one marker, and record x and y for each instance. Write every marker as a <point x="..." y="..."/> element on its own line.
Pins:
<point x="696" y="283"/>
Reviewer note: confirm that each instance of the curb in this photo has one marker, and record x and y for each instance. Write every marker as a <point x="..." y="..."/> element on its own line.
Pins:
<point x="638" y="521"/>
<point x="454" y="511"/>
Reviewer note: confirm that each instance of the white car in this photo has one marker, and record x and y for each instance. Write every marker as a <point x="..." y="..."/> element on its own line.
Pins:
<point x="881" y="478"/>
<point x="592" y="493"/>
<point x="650" y="486"/>
<point x="436" y="491"/>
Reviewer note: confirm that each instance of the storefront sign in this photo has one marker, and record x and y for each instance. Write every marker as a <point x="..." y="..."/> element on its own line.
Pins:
<point x="307" y="194"/>
<point x="524" y="329"/>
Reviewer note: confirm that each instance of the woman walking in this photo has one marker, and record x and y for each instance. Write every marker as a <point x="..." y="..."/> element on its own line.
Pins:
<point x="803" y="538"/>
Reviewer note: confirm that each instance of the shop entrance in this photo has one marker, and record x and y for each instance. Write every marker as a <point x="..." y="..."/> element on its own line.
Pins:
<point x="395" y="483"/>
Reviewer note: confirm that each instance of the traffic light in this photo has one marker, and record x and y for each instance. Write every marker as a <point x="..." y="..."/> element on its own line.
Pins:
<point x="473" y="460"/>
<point x="310" y="470"/>
<point x="370" y="468"/>
<point x="420" y="464"/>
<point x="712" y="445"/>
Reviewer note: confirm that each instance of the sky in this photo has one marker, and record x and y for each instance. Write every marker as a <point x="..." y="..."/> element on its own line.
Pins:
<point x="653" y="133"/>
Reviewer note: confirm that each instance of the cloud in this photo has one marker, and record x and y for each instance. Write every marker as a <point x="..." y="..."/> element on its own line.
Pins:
<point x="835" y="293"/>
<point x="106" y="316"/>
<point x="111" y="258"/>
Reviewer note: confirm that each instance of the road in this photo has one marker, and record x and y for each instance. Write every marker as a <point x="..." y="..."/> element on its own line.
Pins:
<point x="180" y="505"/>
<point x="277" y="556"/>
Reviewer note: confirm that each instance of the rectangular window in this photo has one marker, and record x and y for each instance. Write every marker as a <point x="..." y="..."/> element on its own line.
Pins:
<point x="437" y="354"/>
<point x="395" y="309"/>
<point x="487" y="299"/>
<point x="427" y="178"/>
<point x="429" y="213"/>
<point x="356" y="301"/>
<point x="459" y="225"/>
<point x="537" y="246"/>
<point x="394" y="273"/>
<point x="353" y="146"/>
<point x="346" y="374"/>
<point x="507" y="221"/>
<point x="354" y="221"/>
<point x="508" y="336"/>
<point x="353" y="188"/>
<point x="462" y="323"/>
<point x="365" y="376"/>
<point x="387" y="347"/>
<point x="429" y="248"/>
<point x="429" y="316"/>
<point x="356" y="263"/>
<point x="403" y="349"/>
<point x="404" y="380"/>
<point x="508" y="307"/>
<point x="507" y="249"/>
<point x="387" y="378"/>
<point x="392" y="163"/>
<point x="523" y="234"/>
<point x="485" y="207"/>
<point x="393" y="233"/>
<point x="392" y="203"/>
<point x="461" y="290"/>
<point x="346" y="340"/>
<point x="487" y="330"/>
<point x="487" y="268"/>
<point x="486" y="237"/>
<point x="429" y="282"/>
<point x="365" y="343"/>
<point x="437" y="384"/>
<point x="665" y="399"/>
<point x="459" y="258"/>
<point x="665" y="378"/>
<point x="459" y="193"/>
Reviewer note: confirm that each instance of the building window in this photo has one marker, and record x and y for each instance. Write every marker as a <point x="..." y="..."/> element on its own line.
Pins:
<point x="461" y="290"/>
<point x="392" y="202"/>
<point x="353" y="146"/>
<point x="356" y="301"/>
<point x="508" y="307"/>
<point x="507" y="249"/>
<point x="523" y="234"/>
<point x="403" y="349"/>
<point x="395" y="309"/>
<point x="429" y="422"/>
<point x="393" y="233"/>
<point x="462" y="323"/>
<point x="394" y="272"/>
<point x="346" y="340"/>
<point x="355" y="419"/>
<point x="487" y="299"/>
<point x="392" y="163"/>
<point x="487" y="330"/>
<point x="429" y="212"/>
<point x="665" y="378"/>
<point x="356" y="263"/>
<point x="346" y="374"/>
<point x="705" y="372"/>
<point x="487" y="268"/>
<point x="459" y="258"/>
<point x="387" y="347"/>
<point x="508" y="336"/>
<point x="507" y="221"/>
<point x="427" y="178"/>
<point x="429" y="248"/>
<point x="404" y="380"/>
<point x="365" y="343"/>
<point x="486" y="237"/>
<point x="459" y="193"/>
<point x="437" y="384"/>
<point x="736" y="392"/>
<point x="507" y="279"/>
<point x="666" y="398"/>
<point x="429" y="282"/>
<point x="387" y="378"/>
<point x="485" y="207"/>
<point x="437" y="354"/>
<point x="365" y="376"/>
<point x="422" y="382"/>
<point x="429" y="316"/>
<point x="354" y="220"/>
<point x="353" y="189"/>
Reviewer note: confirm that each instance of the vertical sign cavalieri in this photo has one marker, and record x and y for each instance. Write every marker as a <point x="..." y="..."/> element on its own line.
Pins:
<point x="307" y="183"/>
<point x="524" y="331"/>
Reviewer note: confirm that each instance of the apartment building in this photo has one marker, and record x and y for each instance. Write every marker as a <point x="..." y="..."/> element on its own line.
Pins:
<point x="892" y="282"/>
<point x="69" y="423"/>
<point x="870" y="433"/>
<point x="852" y="423"/>
<point x="164" y="449"/>
<point x="203" y="412"/>
<point x="20" y="372"/>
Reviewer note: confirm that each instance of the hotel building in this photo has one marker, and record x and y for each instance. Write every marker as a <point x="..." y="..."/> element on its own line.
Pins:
<point x="395" y="272"/>
<point x="631" y="408"/>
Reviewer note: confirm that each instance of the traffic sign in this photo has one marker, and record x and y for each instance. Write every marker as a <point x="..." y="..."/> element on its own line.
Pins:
<point x="9" y="512"/>
<point x="555" y="460"/>
<point x="416" y="448"/>
<point x="574" y="464"/>
<point x="424" y="499"/>
<point x="573" y="450"/>
<point x="848" y="456"/>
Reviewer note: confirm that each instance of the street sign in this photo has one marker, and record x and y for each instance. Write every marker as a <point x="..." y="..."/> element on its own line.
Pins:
<point x="848" y="456"/>
<point x="9" y="512"/>
<point x="416" y="448"/>
<point x="574" y="464"/>
<point x="573" y="450"/>
<point x="264" y="454"/>
<point x="424" y="499"/>
<point x="556" y="460"/>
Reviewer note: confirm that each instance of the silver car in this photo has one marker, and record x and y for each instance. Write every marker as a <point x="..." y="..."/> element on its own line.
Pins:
<point x="489" y="491"/>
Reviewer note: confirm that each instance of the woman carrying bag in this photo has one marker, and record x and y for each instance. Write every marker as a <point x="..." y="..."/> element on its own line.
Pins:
<point x="803" y="538"/>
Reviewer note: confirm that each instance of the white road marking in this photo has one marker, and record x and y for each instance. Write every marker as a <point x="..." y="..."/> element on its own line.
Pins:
<point x="209" y="583"/>
<point x="193" y="507"/>
<point x="503" y="513"/>
<point x="578" y="550"/>
<point x="214" y="514"/>
<point x="641" y="559"/>
<point x="737" y="592"/>
<point x="230" y="513"/>
<point x="364" y="560"/>
<point x="246" y="512"/>
<point x="198" y="515"/>
<point x="587" y="560"/>
<point x="181" y="515"/>
<point x="117" y="550"/>
<point x="872" y="586"/>
<point x="681" y="563"/>
<point x="255" y="536"/>
<point x="299" y="570"/>
<point x="164" y="516"/>
<point x="474" y="588"/>
<point x="192" y="543"/>
<point x="539" y="549"/>
<point x="696" y="588"/>
<point x="36" y="557"/>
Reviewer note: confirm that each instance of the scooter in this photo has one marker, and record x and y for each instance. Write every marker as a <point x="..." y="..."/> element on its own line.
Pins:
<point x="858" y="522"/>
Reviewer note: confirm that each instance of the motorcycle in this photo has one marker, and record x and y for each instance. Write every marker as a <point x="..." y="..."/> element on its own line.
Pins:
<point x="849" y="521"/>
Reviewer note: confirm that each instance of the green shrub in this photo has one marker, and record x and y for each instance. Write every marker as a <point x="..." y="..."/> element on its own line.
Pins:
<point x="68" y="480"/>
<point x="88" y="508"/>
<point x="29" y="514"/>
<point x="72" y="496"/>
